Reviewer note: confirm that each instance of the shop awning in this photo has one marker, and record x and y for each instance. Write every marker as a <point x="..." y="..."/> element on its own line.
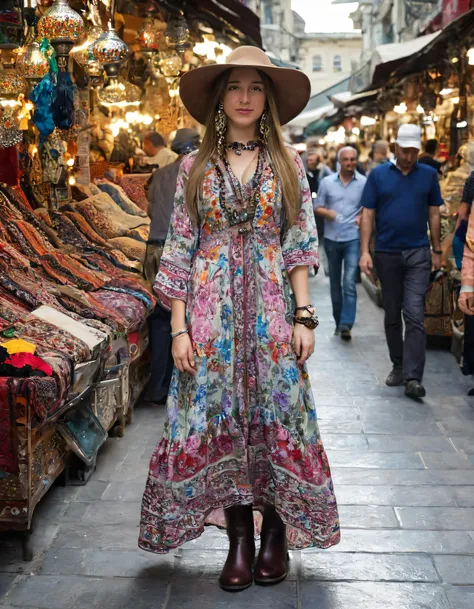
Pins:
<point x="309" y="116"/>
<point x="227" y="16"/>
<point x="388" y="57"/>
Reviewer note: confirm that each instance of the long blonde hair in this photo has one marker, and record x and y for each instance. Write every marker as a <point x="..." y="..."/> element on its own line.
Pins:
<point x="281" y="159"/>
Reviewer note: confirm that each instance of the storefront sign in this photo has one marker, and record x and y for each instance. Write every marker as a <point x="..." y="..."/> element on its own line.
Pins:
<point x="452" y="9"/>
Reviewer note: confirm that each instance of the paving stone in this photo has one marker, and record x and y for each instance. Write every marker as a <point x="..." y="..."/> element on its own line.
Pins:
<point x="454" y="478"/>
<point x="6" y="581"/>
<point x="60" y="592"/>
<point x="352" y="427"/>
<point x="446" y="461"/>
<point x="124" y="491"/>
<point x="384" y="477"/>
<point x="339" y="566"/>
<point x="388" y="425"/>
<point x="367" y="517"/>
<point x="436" y="518"/>
<point x="461" y="597"/>
<point x="362" y="595"/>
<point x="403" y="541"/>
<point x="206" y="594"/>
<point x="375" y="460"/>
<point x="411" y="444"/>
<point x="92" y="491"/>
<point x="106" y="537"/>
<point x="335" y="413"/>
<point x="466" y="445"/>
<point x="334" y="441"/>
<point x="463" y="495"/>
<point x="109" y="512"/>
<point x="456" y="569"/>
<point x="398" y="495"/>
<point x="104" y="563"/>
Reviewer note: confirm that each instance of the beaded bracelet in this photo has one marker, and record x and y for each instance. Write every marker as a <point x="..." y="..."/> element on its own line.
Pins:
<point x="175" y="334"/>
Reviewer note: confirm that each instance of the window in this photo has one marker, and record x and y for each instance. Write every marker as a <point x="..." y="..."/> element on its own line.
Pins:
<point x="337" y="63"/>
<point x="317" y="63"/>
<point x="267" y="14"/>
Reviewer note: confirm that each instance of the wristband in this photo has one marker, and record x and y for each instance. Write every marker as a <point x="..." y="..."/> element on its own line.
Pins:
<point x="179" y="333"/>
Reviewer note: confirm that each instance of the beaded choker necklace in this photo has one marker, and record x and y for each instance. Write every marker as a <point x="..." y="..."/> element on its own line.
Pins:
<point x="237" y="147"/>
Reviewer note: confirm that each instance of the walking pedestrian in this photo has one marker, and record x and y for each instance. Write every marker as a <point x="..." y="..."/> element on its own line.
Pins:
<point x="316" y="171"/>
<point x="428" y="156"/>
<point x="241" y="432"/>
<point x="156" y="151"/>
<point x="161" y="196"/>
<point x="339" y="203"/>
<point x="403" y="198"/>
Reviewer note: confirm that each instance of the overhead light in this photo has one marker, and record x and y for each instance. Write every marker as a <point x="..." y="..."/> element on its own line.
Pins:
<point x="401" y="108"/>
<point x="420" y="109"/>
<point x="356" y="130"/>
<point x="461" y="124"/>
<point x="455" y="100"/>
<point x="446" y="91"/>
<point x="470" y="56"/>
<point x="367" y="121"/>
<point x="454" y="59"/>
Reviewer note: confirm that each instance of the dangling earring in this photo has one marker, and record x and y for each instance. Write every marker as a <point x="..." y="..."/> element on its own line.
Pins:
<point x="221" y="128"/>
<point x="264" y="128"/>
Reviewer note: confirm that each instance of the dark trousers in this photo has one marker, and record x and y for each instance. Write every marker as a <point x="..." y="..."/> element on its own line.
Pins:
<point x="404" y="277"/>
<point x="159" y="327"/>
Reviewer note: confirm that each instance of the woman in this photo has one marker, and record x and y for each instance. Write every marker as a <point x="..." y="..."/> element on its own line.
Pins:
<point x="465" y="235"/>
<point x="241" y="433"/>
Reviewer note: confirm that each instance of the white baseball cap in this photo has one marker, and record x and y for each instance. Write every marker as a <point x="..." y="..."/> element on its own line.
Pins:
<point x="409" y="136"/>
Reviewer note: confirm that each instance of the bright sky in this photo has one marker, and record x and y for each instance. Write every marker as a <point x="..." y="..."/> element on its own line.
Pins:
<point x="322" y="16"/>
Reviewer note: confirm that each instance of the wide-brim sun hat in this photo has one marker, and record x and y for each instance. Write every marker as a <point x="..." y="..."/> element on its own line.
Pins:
<point x="292" y="87"/>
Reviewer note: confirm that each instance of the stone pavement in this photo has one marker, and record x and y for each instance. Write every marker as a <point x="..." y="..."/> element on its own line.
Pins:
<point x="404" y="476"/>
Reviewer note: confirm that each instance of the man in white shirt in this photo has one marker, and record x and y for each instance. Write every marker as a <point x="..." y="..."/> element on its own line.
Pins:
<point x="157" y="153"/>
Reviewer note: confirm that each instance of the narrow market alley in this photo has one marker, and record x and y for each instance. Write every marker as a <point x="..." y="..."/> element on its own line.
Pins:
<point x="404" y="476"/>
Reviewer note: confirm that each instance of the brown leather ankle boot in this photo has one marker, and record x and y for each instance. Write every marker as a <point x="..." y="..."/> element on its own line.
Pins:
<point x="272" y="562"/>
<point x="237" y="572"/>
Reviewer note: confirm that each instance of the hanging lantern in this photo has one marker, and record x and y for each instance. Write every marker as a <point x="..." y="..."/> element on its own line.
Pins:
<point x="31" y="63"/>
<point x="82" y="52"/>
<point x="61" y="23"/>
<point x="62" y="27"/>
<point x="113" y="94"/>
<point x="149" y="38"/>
<point x="110" y="50"/>
<point x="177" y="34"/>
<point x="170" y="64"/>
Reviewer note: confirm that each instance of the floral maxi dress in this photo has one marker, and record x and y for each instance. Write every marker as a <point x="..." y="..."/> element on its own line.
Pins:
<point x="244" y="429"/>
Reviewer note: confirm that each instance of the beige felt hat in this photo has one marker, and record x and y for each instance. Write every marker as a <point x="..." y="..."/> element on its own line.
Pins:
<point x="293" y="88"/>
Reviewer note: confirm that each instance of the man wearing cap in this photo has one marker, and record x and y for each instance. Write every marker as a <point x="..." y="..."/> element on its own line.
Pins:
<point x="338" y="202"/>
<point x="403" y="198"/>
<point x="161" y="197"/>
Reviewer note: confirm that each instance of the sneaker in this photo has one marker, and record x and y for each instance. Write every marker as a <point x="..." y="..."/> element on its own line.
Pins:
<point x="345" y="333"/>
<point x="337" y="332"/>
<point x="395" y="378"/>
<point x="414" y="390"/>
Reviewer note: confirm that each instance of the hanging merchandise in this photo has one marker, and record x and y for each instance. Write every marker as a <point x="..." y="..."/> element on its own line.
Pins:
<point x="82" y="53"/>
<point x="12" y="89"/>
<point x="149" y="38"/>
<point x="31" y="62"/>
<point x="42" y="97"/>
<point x="61" y="23"/>
<point x="177" y="34"/>
<point x="109" y="49"/>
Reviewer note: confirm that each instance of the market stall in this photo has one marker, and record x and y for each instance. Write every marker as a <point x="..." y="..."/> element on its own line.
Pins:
<point x="80" y="83"/>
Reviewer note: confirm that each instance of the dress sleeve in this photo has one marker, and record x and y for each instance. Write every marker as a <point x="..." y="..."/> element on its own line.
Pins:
<point x="175" y="265"/>
<point x="300" y="241"/>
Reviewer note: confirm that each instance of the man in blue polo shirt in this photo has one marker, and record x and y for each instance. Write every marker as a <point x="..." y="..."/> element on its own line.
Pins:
<point x="338" y="202"/>
<point x="403" y="198"/>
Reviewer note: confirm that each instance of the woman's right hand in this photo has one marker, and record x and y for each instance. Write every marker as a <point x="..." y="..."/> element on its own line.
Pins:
<point x="182" y="351"/>
<point x="466" y="303"/>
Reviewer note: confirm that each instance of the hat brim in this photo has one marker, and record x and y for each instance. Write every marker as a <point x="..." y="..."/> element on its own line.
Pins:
<point x="293" y="89"/>
<point x="409" y="144"/>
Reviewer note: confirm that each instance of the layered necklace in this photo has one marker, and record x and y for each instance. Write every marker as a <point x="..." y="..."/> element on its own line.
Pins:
<point x="238" y="147"/>
<point x="246" y="197"/>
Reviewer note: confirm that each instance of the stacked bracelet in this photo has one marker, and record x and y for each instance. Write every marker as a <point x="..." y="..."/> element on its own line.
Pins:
<point x="179" y="333"/>
<point x="310" y="321"/>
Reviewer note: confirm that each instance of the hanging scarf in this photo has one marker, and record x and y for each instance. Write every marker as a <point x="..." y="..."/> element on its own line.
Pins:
<point x="63" y="103"/>
<point x="42" y="97"/>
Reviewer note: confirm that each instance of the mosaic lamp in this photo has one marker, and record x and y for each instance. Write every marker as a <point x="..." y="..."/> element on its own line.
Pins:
<point x="149" y="38"/>
<point x="61" y="26"/>
<point x="31" y="63"/>
<point x="12" y="86"/>
<point x="110" y="51"/>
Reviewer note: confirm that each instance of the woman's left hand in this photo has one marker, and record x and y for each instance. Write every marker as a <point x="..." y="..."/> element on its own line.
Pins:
<point x="303" y="343"/>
